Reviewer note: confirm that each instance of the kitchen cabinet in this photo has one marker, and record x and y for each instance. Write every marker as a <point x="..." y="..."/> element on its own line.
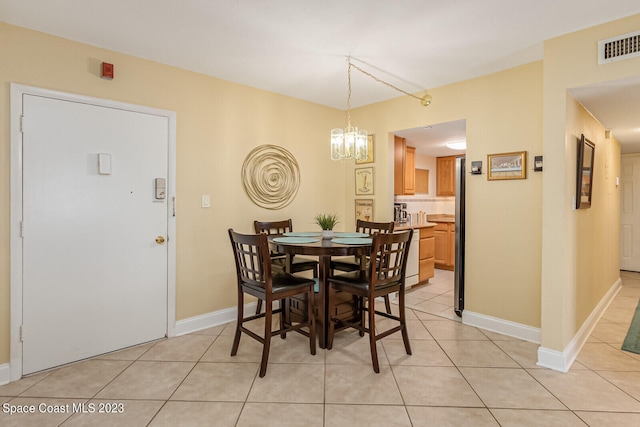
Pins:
<point x="426" y="254"/>
<point x="446" y="176"/>
<point x="404" y="168"/>
<point x="410" y="170"/>
<point x="422" y="181"/>
<point x="445" y="245"/>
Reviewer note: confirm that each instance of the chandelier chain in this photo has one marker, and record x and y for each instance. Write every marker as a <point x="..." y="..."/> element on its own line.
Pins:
<point x="378" y="80"/>
<point x="349" y="96"/>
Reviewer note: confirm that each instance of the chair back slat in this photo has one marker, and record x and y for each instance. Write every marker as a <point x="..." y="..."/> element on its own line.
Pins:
<point x="273" y="227"/>
<point x="374" y="227"/>
<point x="391" y="250"/>
<point x="251" y="254"/>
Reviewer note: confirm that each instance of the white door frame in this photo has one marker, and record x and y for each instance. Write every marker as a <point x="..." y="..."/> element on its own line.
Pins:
<point x="17" y="92"/>
<point x="633" y="260"/>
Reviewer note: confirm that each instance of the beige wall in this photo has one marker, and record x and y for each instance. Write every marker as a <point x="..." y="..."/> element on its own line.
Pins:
<point x="567" y="296"/>
<point x="218" y="123"/>
<point x="503" y="112"/>
<point x="597" y="244"/>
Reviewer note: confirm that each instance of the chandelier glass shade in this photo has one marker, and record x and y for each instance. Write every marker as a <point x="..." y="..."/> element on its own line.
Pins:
<point x="350" y="142"/>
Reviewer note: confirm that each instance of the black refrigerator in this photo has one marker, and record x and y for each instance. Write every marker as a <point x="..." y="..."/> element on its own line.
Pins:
<point x="458" y="273"/>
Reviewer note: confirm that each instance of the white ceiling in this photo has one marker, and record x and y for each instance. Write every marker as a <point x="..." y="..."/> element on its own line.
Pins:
<point x="431" y="140"/>
<point x="299" y="47"/>
<point x="616" y="104"/>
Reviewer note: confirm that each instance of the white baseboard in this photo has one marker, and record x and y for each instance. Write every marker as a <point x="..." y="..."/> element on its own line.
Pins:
<point x="553" y="359"/>
<point x="5" y="374"/>
<point x="501" y="326"/>
<point x="562" y="361"/>
<point x="209" y="320"/>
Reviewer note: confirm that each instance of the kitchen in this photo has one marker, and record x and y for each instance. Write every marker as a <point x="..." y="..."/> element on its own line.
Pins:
<point x="428" y="197"/>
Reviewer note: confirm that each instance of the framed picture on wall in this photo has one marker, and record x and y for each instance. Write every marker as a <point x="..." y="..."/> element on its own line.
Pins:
<point x="364" y="209"/>
<point x="370" y="143"/>
<point x="364" y="181"/>
<point x="584" y="179"/>
<point x="507" y="166"/>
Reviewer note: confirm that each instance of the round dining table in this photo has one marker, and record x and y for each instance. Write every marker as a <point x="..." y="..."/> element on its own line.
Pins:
<point x="343" y="244"/>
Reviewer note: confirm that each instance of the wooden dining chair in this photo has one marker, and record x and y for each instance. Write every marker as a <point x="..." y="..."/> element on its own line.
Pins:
<point x="354" y="264"/>
<point x="279" y="261"/>
<point x="254" y="277"/>
<point x="381" y="278"/>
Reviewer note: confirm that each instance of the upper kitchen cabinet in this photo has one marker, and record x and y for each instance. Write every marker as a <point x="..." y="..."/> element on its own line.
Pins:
<point x="404" y="168"/>
<point x="422" y="181"/>
<point x="446" y="176"/>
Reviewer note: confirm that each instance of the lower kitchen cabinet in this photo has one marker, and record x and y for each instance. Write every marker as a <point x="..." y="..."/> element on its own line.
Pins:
<point x="426" y="254"/>
<point x="445" y="245"/>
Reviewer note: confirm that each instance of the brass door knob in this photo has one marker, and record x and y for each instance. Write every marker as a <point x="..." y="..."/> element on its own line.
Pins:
<point x="160" y="240"/>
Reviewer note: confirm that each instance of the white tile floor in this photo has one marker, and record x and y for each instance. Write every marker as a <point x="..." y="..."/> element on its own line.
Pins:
<point x="457" y="376"/>
<point x="435" y="297"/>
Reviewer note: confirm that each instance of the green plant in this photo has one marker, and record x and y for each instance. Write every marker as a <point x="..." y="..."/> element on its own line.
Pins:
<point x="326" y="221"/>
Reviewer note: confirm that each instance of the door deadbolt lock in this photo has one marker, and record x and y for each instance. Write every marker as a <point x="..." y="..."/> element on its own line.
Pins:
<point x="159" y="240"/>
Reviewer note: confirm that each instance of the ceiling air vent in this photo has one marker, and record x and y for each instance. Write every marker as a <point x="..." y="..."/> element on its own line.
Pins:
<point x="619" y="48"/>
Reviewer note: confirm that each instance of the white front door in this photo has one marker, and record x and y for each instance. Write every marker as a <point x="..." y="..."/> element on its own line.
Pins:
<point x="94" y="276"/>
<point x="630" y="213"/>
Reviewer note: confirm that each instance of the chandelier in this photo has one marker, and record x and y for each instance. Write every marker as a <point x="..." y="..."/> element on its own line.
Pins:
<point x="351" y="142"/>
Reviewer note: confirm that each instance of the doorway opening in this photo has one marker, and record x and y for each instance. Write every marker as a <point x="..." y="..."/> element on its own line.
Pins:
<point x="437" y="285"/>
<point x="615" y="105"/>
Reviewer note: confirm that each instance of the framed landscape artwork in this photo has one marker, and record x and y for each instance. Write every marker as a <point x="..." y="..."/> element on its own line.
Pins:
<point x="507" y="166"/>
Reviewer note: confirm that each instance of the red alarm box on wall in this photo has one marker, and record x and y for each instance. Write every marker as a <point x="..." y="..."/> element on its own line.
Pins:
<point x="107" y="71"/>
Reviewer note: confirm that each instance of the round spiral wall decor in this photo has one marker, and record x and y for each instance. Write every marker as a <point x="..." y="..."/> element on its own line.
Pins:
<point x="270" y="176"/>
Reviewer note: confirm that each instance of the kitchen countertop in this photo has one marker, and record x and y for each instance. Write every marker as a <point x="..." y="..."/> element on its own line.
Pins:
<point x="441" y="218"/>
<point x="407" y="225"/>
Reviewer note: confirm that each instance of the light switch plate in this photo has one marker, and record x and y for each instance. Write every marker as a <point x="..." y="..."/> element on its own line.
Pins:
<point x="206" y="201"/>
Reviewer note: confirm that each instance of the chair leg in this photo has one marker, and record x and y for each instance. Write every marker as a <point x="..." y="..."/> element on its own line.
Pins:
<point x="363" y="317"/>
<point x="236" y="338"/>
<point x="372" y="337"/>
<point x="284" y="316"/>
<point x="331" y="323"/>
<point x="259" y="306"/>
<point x="267" y="338"/>
<point x="403" y="322"/>
<point x="387" y="304"/>
<point x="311" y="318"/>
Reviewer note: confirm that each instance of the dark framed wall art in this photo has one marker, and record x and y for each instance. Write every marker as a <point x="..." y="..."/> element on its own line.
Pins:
<point x="584" y="178"/>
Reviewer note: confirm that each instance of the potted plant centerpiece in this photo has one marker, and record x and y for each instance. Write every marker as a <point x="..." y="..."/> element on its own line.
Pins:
<point x="326" y="222"/>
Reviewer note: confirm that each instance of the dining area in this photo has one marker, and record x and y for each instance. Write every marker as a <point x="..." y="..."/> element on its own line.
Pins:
<point x="317" y="283"/>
